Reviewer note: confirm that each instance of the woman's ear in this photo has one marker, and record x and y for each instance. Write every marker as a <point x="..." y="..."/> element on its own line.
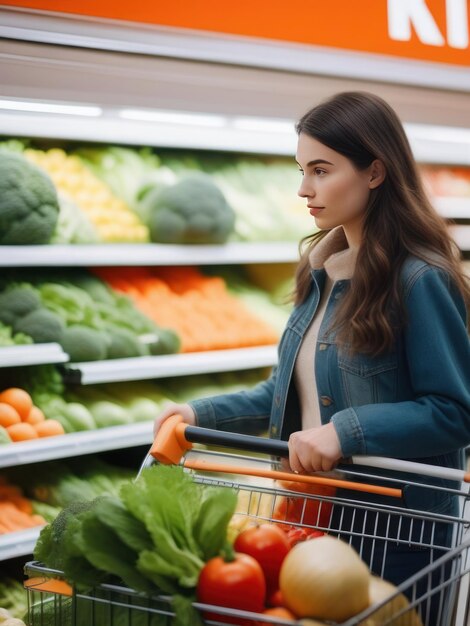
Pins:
<point x="377" y="174"/>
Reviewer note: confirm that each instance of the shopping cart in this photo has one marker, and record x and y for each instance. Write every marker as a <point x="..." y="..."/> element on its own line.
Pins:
<point x="367" y="510"/>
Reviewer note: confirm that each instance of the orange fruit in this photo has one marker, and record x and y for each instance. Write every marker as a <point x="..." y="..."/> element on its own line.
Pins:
<point x="278" y="611"/>
<point x="8" y="415"/>
<point x="21" y="432"/>
<point x="49" y="428"/>
<point x="19" y="399"/>
<point x="35" y="416"/>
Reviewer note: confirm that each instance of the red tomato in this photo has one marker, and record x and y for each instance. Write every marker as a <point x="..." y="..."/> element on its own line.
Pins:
<point x="278" y="611"/>
<point x="269" y="545"/>
<point x="238" y="584"/>
<point x="301" y="510"/>
<point x="296" y="534"/>
<point x="276" y="599"/>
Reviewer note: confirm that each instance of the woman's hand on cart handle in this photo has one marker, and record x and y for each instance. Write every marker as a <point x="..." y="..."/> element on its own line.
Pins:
<point x="185" y="410"/>
<point x="314" y="450"/>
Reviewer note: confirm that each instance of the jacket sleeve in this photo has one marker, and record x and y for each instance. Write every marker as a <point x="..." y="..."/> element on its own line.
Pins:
<point x="437" y="420"/>
<point x="244" y="412"/>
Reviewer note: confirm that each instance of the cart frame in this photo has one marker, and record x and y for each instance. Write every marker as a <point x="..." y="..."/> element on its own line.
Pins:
<point x="437" y="592"/>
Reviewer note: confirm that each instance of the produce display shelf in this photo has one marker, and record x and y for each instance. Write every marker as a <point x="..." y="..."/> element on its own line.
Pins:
<point x="111" y="128"/>
<point x="34" y="354"/>
<point x="76" y="444"/>
<point x="461" y="235"/>
<point x="19" y="543"/>
<point x="256" y="135"/>
<point x="452" y="207"/>
<point x="146" y="367"/>
<point x="147" y="254"/>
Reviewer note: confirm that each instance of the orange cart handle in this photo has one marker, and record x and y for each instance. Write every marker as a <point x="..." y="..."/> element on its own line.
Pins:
<point x="311" y="479"/>
<point x="175" y="437"/>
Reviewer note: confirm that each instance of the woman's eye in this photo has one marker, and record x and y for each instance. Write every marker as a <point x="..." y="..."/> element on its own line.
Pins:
<point x="301" y="171"/>
<point x="319" y="172"/>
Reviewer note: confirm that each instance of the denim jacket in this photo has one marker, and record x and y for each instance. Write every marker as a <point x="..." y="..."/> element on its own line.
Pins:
<point x="411" y="403"/>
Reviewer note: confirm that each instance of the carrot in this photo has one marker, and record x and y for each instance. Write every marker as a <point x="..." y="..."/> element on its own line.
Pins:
<point x="49" y="428"/>
<point x="199" y="308"/>
<point x="11" y="494"/>
<point x="19" y="399"/>
<point x="13" y="518"/>
<point x="11" y="512"/>
<point x="22" y="504"/>
<point x="10" y="526"/>
<point x="16" y="520"/>
<point x="22" y="432"/>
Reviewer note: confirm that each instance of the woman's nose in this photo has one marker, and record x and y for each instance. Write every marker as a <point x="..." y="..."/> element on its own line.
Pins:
<point x="305" y="192"/>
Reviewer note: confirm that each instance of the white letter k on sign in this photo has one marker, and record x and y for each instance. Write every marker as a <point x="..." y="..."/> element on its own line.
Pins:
<point x="403" y="13"/>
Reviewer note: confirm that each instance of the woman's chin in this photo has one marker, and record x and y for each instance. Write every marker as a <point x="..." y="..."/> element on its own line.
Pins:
<point x="324" y="223"/>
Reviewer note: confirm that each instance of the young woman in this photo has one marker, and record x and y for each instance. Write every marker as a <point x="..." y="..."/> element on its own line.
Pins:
<point x="375" y="358"/>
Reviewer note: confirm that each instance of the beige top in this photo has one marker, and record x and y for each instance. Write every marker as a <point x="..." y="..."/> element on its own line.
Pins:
<point x="339" y="261"/>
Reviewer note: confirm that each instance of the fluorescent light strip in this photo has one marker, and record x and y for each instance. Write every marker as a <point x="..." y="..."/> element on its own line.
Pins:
<point x="49" y="107"/>
<point x="216" y="121"/>
<point x="264" y="125"/>
<point x="424" y="132"/>
<point x="173" y="117"/>
<point x="442" y="134"/>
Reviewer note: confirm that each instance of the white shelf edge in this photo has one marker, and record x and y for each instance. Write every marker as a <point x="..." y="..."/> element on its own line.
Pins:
<point x="32" y="354"/>
<point x="147" y="254"/>
<point x="452" y="207"/>
<point x="429" y="150"/>
<point x="18" y="543"/>
<point x="148" y="367"/>
<point x="76" y="444"/>
<point x="427" y="145"/>
<point x="233" y="253"/>
<point x="461" y="235"/>
<point x="109" y="128"/>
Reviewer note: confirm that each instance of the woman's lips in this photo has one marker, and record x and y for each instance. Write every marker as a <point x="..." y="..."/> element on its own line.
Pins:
<point x="314" y="210"/>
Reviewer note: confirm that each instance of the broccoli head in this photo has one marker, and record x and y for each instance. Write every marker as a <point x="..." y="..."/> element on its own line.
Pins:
<point x="84" y="344"/>
<point x="123" y="344"/>
<point x="17" y="302"/>
<point x="49" y="547"/>
<point x="41" y="325"/>
<point x="29" y="207"/>
<point x="193" y="211"/>
<point x="165" y="341"/>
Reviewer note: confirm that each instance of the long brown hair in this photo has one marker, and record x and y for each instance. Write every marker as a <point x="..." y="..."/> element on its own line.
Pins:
<point x="399" y="220"/>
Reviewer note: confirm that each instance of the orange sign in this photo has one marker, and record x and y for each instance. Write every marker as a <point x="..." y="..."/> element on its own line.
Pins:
<point x="428" y="30"/>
